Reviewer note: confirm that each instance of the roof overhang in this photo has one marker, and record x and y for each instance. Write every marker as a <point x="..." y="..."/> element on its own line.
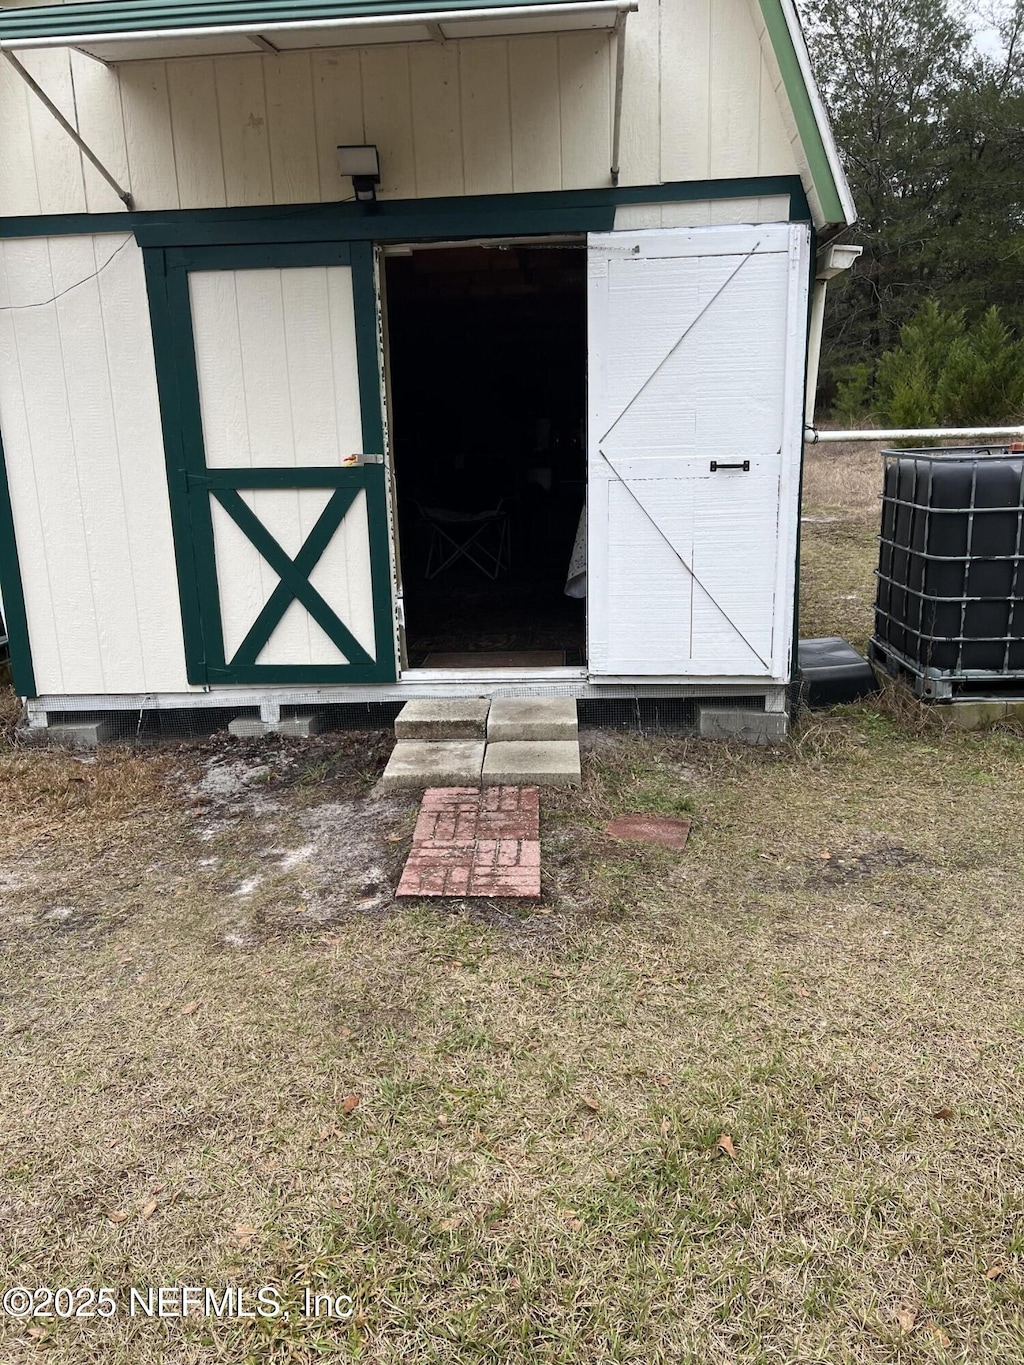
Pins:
<point x="828" y="189"/>
<point x="115" y="31"/>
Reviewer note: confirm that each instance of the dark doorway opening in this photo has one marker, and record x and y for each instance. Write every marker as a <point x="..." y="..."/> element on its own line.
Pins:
<point x="487" y="359"/>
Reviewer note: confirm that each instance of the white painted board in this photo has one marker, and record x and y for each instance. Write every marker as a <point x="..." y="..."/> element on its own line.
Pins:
<point x="85" y="462"/>
<point x="696" y="345"/>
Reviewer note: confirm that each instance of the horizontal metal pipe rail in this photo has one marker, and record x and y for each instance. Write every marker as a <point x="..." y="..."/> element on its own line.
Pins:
<point x="815" y="437"/>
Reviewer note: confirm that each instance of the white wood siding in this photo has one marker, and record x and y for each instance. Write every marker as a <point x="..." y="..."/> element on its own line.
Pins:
<point x="276" y="358"/>
<point x="82" y="437"/>
<point x="701" y="100"/>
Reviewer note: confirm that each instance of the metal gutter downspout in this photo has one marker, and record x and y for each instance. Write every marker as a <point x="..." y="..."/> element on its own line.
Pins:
<point x="71" y="131"/>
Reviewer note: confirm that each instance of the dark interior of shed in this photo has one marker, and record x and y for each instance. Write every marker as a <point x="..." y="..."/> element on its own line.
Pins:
<point x="487" y="385"/>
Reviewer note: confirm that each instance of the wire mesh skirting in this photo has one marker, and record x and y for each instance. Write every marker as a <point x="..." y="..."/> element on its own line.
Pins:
<point x="949" y="610"/>
<point x="648" y="711"/>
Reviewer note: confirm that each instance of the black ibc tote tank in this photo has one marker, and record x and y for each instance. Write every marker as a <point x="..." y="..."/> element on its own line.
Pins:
<point x="949" y="609"/>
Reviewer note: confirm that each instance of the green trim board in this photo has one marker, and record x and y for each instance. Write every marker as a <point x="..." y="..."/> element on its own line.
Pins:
<point x="811" y="136"/>
<point x="18" y="642"/>
<point x="192" y="485"/>
<point x="494" y="215"/>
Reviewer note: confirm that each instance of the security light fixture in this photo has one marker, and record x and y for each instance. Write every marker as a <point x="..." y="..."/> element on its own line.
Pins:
<point x="363" y="165"/>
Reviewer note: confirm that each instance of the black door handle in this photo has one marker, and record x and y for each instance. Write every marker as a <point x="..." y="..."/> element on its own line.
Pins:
<point x="716" y="466"/>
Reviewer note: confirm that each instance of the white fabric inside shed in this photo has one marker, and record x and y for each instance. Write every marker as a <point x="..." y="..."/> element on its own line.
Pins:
<point x="695" y="355"/>
<point x="276" y="358"/>
<point x="85" y="462"/>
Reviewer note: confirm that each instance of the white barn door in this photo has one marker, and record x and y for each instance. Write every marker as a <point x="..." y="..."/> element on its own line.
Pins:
<point x="697" y="340"/>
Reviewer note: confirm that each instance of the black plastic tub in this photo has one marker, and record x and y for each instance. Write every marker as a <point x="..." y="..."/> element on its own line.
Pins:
<point x="949" y="609"/>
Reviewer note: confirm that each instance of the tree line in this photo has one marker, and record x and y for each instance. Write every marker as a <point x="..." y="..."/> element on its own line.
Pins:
<point x="931" y="132"/>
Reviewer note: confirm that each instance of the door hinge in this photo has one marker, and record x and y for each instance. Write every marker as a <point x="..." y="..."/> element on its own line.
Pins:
<point x="400" y="609"/>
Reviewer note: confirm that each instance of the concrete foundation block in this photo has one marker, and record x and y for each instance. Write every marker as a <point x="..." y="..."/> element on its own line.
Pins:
<point x="441" y="719"/>
<point x="982" y="715"/>
<point x="78" y="734"/>
<point x="418" y="763"/>
<point x="301" y="725"/>
<point x="249" y="727"/>
<point x="752" y="727"/>
<point x="532" y="718"/>
<point x="532" y="763"/>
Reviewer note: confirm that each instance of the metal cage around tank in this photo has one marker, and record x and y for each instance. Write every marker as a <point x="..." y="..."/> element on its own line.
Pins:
<point x="949" y="610"/>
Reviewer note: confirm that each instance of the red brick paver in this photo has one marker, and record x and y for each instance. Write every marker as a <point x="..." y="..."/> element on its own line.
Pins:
<point x="475" y="843"/>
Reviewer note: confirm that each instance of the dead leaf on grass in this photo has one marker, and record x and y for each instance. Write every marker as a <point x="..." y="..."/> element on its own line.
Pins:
<point x="37" y="1333"/>
<point x="442" y="1120"/>
<point x="906" y="1316"/>
<point x="994" y="1271"/>
<point x="191" y="1007"/>
<point x="944" y="1113"/>
<point x="147" y="1210"/>
<point x="158" y="1189"/>
<point x="724" y="1144"/>
<point x="350" y="1103"/>
<point x="243" y="1235"/>
<point x="665" y="1126"/>
<point x="117" y="1216"/>
<point x="449" y="1224"/>
<point x="591" y="1103"/>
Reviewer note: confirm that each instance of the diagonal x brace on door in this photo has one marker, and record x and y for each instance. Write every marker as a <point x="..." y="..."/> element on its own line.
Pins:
<point x="294" y="575"/>
<point x="688" y="567"/>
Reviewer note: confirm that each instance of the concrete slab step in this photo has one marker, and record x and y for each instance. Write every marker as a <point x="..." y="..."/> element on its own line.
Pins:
<point x="420" y="763"/>
<point x="430" y="719"/>
<point x="534" y="763"/>
<point x="532" y="718"/>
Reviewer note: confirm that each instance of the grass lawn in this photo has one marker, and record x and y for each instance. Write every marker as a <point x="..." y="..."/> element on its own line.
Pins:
<point x="758" y="1102"/>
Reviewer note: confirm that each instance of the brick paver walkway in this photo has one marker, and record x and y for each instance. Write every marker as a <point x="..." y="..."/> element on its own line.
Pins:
<point x="475" y="843"/>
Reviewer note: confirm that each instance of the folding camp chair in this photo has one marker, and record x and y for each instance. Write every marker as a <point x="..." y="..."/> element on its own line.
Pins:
<point x="481" y="537"/>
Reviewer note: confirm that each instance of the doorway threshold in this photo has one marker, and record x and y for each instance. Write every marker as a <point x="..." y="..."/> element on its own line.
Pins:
<point x="492" y="677"/>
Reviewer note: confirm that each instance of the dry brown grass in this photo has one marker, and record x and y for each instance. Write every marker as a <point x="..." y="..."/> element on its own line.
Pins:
<point x="841" y="512"/>
<point x="199" y="967"/>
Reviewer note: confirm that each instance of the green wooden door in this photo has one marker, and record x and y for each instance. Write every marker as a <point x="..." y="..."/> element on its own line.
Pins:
<point x="268" y="363"/>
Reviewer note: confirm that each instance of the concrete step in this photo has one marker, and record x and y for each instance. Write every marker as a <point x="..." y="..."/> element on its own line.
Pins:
<point x="418" y="763"/>
<point x="532" y="718"/>
<point x="532" y="763"/>
<point x="429" y="719"/>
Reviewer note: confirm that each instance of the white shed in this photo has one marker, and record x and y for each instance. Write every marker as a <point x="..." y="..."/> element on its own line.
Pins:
<point x="367" y="349"/>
